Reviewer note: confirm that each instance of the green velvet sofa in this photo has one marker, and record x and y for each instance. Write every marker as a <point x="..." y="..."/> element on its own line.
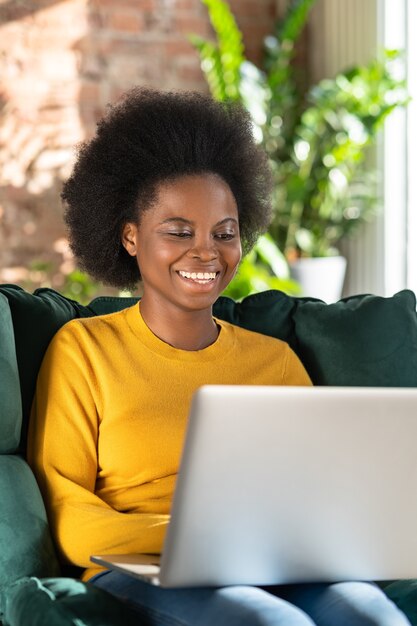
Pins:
<point x="363" y="340"/>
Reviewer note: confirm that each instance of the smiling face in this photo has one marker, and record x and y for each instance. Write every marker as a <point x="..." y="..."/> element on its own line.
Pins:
<point x="187" y="244"/>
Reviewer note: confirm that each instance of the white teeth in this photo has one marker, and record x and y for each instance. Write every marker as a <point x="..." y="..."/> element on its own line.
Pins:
<point x="198" y="276"/>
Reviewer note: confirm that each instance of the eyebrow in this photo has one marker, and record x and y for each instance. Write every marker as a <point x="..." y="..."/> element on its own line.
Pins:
<point x="183" y="220"/>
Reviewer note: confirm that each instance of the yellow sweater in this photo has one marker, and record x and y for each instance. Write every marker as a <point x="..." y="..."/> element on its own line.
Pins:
<point x="108" y="423"/>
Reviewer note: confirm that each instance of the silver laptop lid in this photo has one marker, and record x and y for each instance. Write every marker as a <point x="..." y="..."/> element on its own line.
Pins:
<point x="294" y="484"/>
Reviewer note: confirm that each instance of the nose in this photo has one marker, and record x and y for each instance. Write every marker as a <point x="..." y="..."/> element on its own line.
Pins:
<point x="204" y="249"/>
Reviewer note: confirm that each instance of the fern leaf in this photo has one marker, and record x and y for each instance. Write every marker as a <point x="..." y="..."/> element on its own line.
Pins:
<point x="211" y="66"/>
<point x="230" y="44"/>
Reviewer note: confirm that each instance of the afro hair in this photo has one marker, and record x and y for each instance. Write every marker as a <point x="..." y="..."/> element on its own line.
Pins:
<point x="149" y="138"/>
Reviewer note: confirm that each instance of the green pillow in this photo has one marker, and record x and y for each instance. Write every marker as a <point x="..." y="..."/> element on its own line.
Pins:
<point x="10" y="402"/>
<point x="270" y="313"/>
<point x="36" y="318"/>
<point x="363" y="340"/>
<point x="25" y="541"/>
<point x="64" y="602"/>
<point x="110" y="304"/>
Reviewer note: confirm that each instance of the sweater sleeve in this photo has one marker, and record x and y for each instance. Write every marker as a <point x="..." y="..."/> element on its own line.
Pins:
<point x="294" y="372"/>
<point x="62" y="451"/>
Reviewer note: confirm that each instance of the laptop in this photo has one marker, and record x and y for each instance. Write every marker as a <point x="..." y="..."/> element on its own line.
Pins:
<point x="283" y="485"/>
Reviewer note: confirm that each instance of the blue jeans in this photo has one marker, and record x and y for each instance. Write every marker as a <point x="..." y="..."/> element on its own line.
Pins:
<point x="339" y="604"/>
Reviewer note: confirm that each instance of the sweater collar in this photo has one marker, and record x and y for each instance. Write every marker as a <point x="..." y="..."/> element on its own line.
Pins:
<point x="218" y="349"/>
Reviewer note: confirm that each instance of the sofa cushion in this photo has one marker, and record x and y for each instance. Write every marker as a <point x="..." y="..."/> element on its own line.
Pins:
<point x="269" y="312"/>
<point x="36" y="318"/>
<point x="362" y="340"/>
<point x="10" y="401"/>
<point x="25" y="544"/>
<point x="109" y="304"/>
<point x="63" y="602"/>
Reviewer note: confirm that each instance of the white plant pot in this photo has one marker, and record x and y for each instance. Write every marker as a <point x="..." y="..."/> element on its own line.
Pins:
<point x="320" y="277"/>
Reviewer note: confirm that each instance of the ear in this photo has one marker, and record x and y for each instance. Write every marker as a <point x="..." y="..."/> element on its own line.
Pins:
<point x="129" y="238"/>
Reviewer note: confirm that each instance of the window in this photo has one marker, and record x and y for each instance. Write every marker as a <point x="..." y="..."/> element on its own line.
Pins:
<point x="382" y="259"/>
<point x="399" y="156"/>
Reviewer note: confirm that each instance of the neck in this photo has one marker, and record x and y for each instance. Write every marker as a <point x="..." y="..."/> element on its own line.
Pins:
<point x="185" y="330"/>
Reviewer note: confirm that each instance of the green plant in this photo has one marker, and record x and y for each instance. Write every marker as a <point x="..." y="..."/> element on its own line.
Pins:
<point x="263" y="268"/>
<point x="324" y="191"/>
<point x="79" y="286"/>
<point x="316" y="139"/>
<point x="71" y="283"/>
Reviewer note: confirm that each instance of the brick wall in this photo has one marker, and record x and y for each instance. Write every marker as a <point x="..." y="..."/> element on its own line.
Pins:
<point x="61" y="62"/>
<point x="145" y="42"/>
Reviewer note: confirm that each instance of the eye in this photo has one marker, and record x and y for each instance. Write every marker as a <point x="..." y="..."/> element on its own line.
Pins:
<point x="225" y="236"/>
<point x="181" y="234"/>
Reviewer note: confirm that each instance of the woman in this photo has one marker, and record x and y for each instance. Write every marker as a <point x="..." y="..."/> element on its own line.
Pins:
<point x="169" y="191"/>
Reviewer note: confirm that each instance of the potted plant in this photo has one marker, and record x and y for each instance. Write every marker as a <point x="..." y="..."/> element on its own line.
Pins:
<point x="316" y="139"/>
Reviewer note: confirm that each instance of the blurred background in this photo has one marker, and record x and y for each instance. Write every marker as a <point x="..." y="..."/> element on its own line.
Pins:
<point x="330" y="84"/>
